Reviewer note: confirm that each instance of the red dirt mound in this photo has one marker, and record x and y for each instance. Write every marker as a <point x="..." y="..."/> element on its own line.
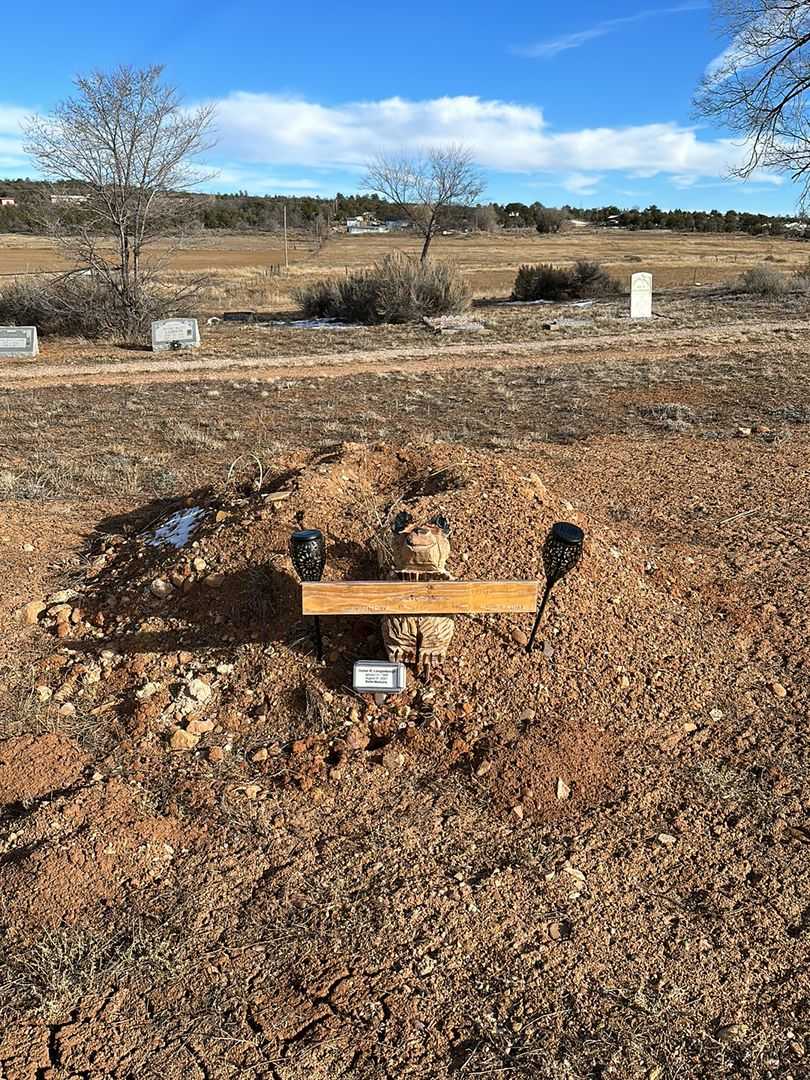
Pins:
<point x="201" y="647"/>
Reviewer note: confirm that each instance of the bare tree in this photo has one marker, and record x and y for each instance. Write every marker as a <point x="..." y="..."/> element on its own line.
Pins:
<point x="424" y="186"/>
<point x="758" y="86"/>
<point x="126" y="145"/>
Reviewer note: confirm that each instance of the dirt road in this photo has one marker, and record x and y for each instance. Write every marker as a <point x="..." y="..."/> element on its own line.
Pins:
<point x="754" y="336"/>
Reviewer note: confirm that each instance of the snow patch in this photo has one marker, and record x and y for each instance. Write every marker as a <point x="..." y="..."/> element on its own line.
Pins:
<point x="176" y="530"/>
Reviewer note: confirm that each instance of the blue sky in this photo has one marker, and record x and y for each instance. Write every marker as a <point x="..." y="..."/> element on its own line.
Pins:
<point x="586" y="103"/>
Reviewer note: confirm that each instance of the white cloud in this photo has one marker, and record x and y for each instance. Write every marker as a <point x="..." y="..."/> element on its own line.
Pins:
<point x="503" y="136"/>
<point x="581" y="183"/>
<point x="12" y="157"/>
<point x="544" y="50"/>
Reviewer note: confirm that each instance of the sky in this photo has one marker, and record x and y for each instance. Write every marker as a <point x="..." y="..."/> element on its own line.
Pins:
<point x="586" y="104"/>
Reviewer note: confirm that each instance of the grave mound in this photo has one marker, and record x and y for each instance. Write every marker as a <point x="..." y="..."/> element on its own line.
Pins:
<point x="184" y="636"/>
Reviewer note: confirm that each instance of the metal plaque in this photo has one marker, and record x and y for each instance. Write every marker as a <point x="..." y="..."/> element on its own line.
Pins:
<point x="378" y="677"/>
<point x="18" y="341"/>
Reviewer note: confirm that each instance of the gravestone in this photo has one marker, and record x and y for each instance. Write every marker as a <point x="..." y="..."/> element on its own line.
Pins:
<point x="18" y="341"/>
<point x="641" y="296"/>
<point x="175" y="334"/>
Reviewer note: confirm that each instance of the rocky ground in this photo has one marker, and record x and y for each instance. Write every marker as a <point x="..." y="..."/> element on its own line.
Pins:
<point x="216" y="861"/>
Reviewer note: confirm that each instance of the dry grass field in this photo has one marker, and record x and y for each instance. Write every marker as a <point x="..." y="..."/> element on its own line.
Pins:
<point x="218" y="862"/>
<point x="240" y="263"/>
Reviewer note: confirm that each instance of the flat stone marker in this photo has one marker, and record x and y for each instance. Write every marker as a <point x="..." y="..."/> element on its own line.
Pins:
<point x="18" y="341"/>
<point x="641" y="296"/>
<point x="175" y="334"/>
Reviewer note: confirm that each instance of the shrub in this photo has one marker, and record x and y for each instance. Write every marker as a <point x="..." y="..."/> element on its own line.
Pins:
<point x="546" y="282"/>
<point x="76" y="306"/>
<point x="765" y="281"/>
<point x="397" y="290"/>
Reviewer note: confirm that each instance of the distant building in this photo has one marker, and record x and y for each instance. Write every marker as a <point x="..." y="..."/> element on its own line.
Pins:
<point x="68" y="199"/>
<point x="796" y="226"/>
<point x="6" y="200"/>
<point x="397" y="225"/>
<point x="365" y="223"/>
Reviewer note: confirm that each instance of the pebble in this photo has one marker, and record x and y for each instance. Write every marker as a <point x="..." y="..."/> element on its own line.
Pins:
<point x="62" y="597"/>
<point x="183" y="740"/>
<point x="215" y="581"/>
<point x="484" y="768"/>
<point x="200" y="727"/>
<point x="28" y="548"/>
<point x="519" y="637"/>
<point x="667" y="838"/>
<point x="356" y="739"/>
<point x="199" y="690"/>
<point x="778" y="690"/>
<point x="743" y="432"/>
<point x="160" y="588"/>
<point x="32" y="612"/>
<point x="67" y="709"/>
<point x="216" y="754"/>
<point x="563" y="790"/>
<point x="44" y="693"/>
<point x="518" y="812"/>
<point x="259" y="755"/>
<point x="200" y="565"/>
<point x="717" y="714"/>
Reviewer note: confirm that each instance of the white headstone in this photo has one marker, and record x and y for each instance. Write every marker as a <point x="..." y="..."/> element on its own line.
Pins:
<point x="175" y="334"/>
<point x="16" y="341"/>
<point x="641" y="296"/>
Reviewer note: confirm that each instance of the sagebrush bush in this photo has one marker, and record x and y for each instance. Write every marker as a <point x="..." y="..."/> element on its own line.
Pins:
<point x="766" y="281"/>
<point x="76" y="306"/>
<point x="397" y="289"/>
<point x="583" y="281"/>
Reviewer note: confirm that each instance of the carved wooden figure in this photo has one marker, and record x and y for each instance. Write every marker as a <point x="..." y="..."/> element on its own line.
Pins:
<point x="420" y="554"/>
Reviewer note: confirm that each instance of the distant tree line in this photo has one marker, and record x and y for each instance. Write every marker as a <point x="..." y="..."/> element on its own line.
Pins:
<point x="265" y="213"/>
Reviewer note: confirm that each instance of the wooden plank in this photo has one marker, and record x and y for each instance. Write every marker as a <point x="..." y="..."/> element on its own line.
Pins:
<point x="417" y="597"/>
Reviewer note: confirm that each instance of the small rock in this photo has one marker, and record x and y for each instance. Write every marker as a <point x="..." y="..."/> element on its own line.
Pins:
<point x="624" y="682"/>
<point x="224" y="669"/>
<point x="563" y="790"/>
<point x="220" y="516"/>
<point x="214" y="581"/>
<point x="184" y="657"/>
<point x="200" y="727"/>
<point x="730" y="1033"/>
<point x="62" y="629"/>
<point x="32" y="612"/>
<point x="778" y="690"/>
<point x="252" y="791"/>
<point x="259" y="755"/>
<point x="518" y="812"/>
<point x="216" y="754"/>
<point x="689" y="727"/>
<point x="68" y="709"/>
<point x="183" y="740"/>
<point x="147" y="690"/>
<point x="44" y="693"/>
<point x="62" y="597"/>
<point x="200" y="565"/>
<point x="717" y="714"/>
<point x="28" y="548"/>
<point x="667" y="838"/>
<point x="743" y="432"/>
<point x="160" y="588"/>
<point x="484" y="768"/>
<point x="520" y="637"/>
<point x="356" y="739"/>
<point x="199" y="690"/>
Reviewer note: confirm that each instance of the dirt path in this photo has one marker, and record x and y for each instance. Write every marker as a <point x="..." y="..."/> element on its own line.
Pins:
<point x="656" y="345"/>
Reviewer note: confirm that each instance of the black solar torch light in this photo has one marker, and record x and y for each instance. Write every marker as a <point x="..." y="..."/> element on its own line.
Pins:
<point x="561" y="553"/>
<point x="308" y="554"/>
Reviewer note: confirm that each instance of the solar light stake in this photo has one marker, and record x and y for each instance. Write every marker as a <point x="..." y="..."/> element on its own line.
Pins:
<point x="308" y="554"/>
<point x="561" y="553"/>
